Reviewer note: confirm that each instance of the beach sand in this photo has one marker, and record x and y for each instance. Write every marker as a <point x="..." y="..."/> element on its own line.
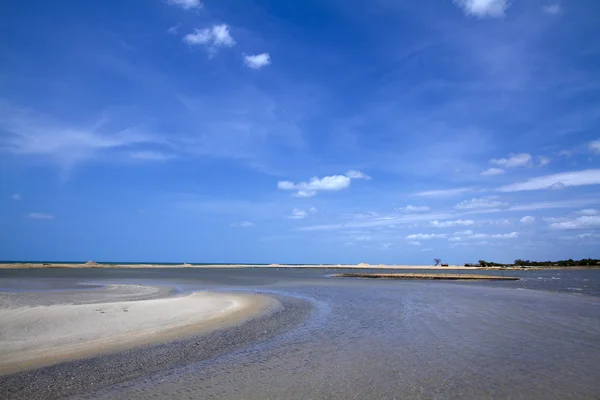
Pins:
<point x="35" y="334"/>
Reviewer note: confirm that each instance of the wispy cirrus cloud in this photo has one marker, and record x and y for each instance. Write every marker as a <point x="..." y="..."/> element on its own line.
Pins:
<point x="513" y="160"/>
<point x="457" y="222"/>
<point x="583" y="222"/>
<point x="242" y="224"/>
<point x="37" y="215"/>
<point x="479" y="203"/>
<point x="30" y="134"/>
<point x="492" y="172"/>
<point x="483" y="8"/>
<point x="552" y="9"/>
<point x="186" y="4"/>
<point x="410" y="209"/>
<point x="565" y="179"/>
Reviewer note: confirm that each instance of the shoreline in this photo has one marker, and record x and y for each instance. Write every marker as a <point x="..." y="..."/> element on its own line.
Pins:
<point x="91" y="265"/>
<point x="34" y="336"/>
<point x="452" y="277"/>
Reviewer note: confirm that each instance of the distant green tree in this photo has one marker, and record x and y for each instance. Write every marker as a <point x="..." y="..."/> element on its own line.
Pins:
<point x="437" y="261"/>
<point x="483" y="263"/>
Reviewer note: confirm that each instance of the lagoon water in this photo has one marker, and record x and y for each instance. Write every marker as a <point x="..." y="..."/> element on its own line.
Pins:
<point x="537" y="338"/>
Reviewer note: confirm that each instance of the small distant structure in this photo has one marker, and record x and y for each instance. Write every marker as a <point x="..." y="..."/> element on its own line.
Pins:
<point x="444" y="265"/>
<point x="91" y="263"/>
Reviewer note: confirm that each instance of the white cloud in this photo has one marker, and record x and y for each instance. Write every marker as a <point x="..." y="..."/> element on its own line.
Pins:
<point x="483" y="8"/>
<point x="528" y="220"/>
<point x="243" y="224"/>
<point x="594" y="146"/>
<point x="414" y="243"/>
<point x="426" y="236"/>
<point x="514" y="160"/>
<point x="470" y="235"/>
<point x="301" y="214"/>
<point x="566" y="179"/>
<point x="16" y="196"/>
<point x="305" y="193"/>
<point x="298" y="214"/>
<point x="445" y="192"/>
<point x="589" y="211"/>
<point x="212" y="38"/>
<point x="543" y="160"/>
<point x="492" y="172"/>
<point x="353" y="174"/>
<point x="552" y="9"/>
<point x="478" y="203"/>
<point x="31" y="134"/>
<point x="464" y="233"/>
<point x="327" y="183"/>
<point x="257" y="61"/>
<point x="414" y="209"/>
<point x="186" y="4"/>
<point x="36" y="215"/>
<point x="447" y="224"/>
<point x="586" y="221"/>
<point x="588" y="235"/>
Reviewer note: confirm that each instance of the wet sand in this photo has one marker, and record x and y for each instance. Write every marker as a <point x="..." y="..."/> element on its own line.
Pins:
<point x="34" y="333"/>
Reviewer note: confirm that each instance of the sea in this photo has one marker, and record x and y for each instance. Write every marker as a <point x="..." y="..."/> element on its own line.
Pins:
<point x="536" y="338"/>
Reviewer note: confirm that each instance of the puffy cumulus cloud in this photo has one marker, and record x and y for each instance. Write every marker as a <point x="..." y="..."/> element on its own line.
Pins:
<point x="315" y="184"/>
<point x="594" y="146"/>
<point x="212" y="38"/>
<point x="410" y="209"/>
<point x="556" y="181"/>
<point x="528" y="220"/>
<point x="583" y="222"/>
<point x="243" y="224"/>
<point x="426" y="236"/>
<point x="483" y="8"/>
<point x="37" y="215"/>
<point x="492" y="172"/>
<point x="479" y="203"/>
<point x="513" y="160"/>
<point x="588" y="211"/>
<point x="186" y="4"/>
<point x="257" y="61"/>
<point x="447" y="224"/>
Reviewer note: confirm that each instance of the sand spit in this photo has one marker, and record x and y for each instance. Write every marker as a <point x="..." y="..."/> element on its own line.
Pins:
<point x="453" y="277"/>
<point x="34" y="335"/>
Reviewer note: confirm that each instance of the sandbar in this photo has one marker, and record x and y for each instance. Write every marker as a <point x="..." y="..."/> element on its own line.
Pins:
<point x="453" y="277"/>
<point x="34" y="335"/>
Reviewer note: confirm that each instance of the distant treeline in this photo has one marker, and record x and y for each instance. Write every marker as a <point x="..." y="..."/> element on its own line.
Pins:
<point x="529" y="263"/>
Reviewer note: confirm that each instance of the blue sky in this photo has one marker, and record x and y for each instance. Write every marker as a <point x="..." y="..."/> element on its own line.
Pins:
<point x="314" y="131"/>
